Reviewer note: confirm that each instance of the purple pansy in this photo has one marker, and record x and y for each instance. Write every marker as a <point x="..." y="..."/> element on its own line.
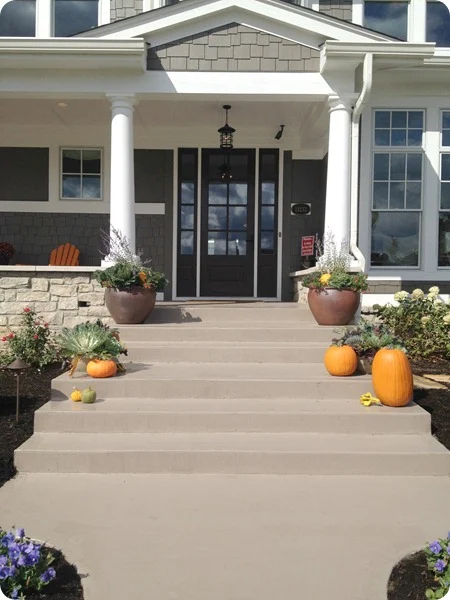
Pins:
<point x="440" y="565"/>
<point x="20" y="532"/>
<point x="435" y="547"/>
<point x="48" y="575"/>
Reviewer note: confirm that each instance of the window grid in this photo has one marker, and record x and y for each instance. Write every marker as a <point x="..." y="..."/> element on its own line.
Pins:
<point x="81" y="174"/>
<point x="397" y="187"/>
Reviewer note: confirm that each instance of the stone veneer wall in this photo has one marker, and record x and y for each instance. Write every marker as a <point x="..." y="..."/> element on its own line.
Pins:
<point x="233" y="48"/>
<point x="340" y="9"/>
<point x="120" y="9"/>
<point x="56" y="297"/>
<point x="34" y="235"/>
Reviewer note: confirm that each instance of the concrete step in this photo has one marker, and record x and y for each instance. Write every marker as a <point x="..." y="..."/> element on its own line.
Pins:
<point x="145" y="415"/>
<point x="232" y="331"/>
<point x="238" y="352"/>
<point x="221" y="312"/>
<point x="224" y="380"/>
<point x="234" y="453"/>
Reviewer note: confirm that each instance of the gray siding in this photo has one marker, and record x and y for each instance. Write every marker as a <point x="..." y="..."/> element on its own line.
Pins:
<point x="120" y="9"/>
<point x="34" y="235"/>
<point x="24" y="174"/>
<point x="304" y="181"/>
<point x="233" y="48"/>
<point x="340" y="9"/>
<point x="153" y="175"/>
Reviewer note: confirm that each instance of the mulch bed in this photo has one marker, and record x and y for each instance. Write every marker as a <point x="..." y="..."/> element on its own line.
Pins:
<point x="34" y="392"/>
<point x="410" y="578"/>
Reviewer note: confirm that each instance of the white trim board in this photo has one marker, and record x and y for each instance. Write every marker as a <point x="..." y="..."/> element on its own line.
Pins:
<point x="77" y="207"/>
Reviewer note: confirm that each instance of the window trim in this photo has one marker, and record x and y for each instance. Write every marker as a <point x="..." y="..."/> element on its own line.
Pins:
<point x="61" y="174"/>
<point x="442" y="150"/>
<point x="391" y="150"/>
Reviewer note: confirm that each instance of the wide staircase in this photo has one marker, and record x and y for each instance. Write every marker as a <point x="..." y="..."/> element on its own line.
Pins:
<point x="228" y="388"/>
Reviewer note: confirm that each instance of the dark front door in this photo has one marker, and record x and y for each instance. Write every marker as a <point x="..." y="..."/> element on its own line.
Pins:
<point x="227" y="223"/>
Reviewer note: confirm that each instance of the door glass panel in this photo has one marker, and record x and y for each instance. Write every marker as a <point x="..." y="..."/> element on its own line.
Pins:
<point x="187" y="193"/>
<point x="267" y="245"/>
<point x="268" y="193"/>
<point x="217" y="217"/>
<point x="238" y="193"/>
<point x="237" y="217"/>
<point x="187" y="242"/>
<point x="267" y="217"/>
<point x="217" y="193"/>
<point x="217" y="243"/>
<point x="187" y="217"/>
<point x="237" y="243"/>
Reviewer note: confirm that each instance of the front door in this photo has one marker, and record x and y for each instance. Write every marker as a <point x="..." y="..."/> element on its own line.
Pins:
<point x="227" y="223"/>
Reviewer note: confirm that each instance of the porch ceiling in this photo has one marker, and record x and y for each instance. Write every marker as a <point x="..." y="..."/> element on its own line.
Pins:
<point x="299" y="118"/>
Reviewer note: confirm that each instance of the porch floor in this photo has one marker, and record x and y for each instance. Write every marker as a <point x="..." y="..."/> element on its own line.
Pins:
<point x="222" y="537"/>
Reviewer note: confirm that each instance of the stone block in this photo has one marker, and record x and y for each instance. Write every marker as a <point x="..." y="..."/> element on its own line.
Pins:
<point x="13" y="308"/>
<point x="68" y="280"/>
<point x="71" y="321"/>
<point x="30" y="296"/>
<point x="93" y="299"/>
<point x="9" y="295"/>
<point x="45" y="307"/>
<point x="63" y="290"/>
<point x="14" y="320"/>
<point x="86" y="287"/>
<point x="52" y="318"/>
<point x="14" y="282"/>
<point x="3" y="321"/>
<point x="93" y="311"/>
<point x="67" y="303"/>
<point x="39" y="284"/>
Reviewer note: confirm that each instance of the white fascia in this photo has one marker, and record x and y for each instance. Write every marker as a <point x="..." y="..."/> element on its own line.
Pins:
<point x="188" y="18"/>
<point x="72" y="53"/>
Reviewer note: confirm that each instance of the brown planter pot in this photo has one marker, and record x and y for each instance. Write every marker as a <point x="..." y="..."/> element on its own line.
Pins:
<point x="333" y="307"/>
<point x="130" y="306"/>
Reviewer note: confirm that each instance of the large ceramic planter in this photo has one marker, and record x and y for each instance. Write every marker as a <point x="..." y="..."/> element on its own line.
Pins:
<point x="130" y="306"/>
<point x="333" y="307"/>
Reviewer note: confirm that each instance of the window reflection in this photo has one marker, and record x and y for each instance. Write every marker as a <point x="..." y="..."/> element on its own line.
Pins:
<point x="390" y="18"/>
<point x="75" y="16"/>
<point x="395" y="239"/>
<point x="438" y="24"/>
<point x="237" y="243"/>
<point x="18" y="19"/>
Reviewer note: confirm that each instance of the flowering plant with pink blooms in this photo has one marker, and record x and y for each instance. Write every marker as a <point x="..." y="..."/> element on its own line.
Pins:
<point x="32" y="342"/>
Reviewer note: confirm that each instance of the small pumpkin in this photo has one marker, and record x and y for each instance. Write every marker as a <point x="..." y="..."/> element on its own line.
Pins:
<point x="101" y="368"/>
<point x="76" y="395"/>
<point x="88" y="396"/>
<point x="341" y="361"/>
<point x="392" y="377"/>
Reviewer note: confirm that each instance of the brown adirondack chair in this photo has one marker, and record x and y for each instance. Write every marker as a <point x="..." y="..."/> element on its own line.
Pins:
<point x="64" y="256"/>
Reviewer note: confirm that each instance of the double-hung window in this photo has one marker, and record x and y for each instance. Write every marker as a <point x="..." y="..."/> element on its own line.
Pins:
<point x="444" y="206"/>
<point x="397" y="177"/>
<point x="81" y="174"/>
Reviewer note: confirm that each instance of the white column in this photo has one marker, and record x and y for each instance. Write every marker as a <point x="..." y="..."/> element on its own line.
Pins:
<point x="122" y="168"/>
<point x="44" y="18"/>
<point x="337" y="207"/>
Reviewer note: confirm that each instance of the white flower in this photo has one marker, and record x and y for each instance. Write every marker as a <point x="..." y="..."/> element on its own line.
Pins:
<point x="417" y="293"/>
<point x="446" y="319"/>
<point x="425" y="319"/>
<point x="438" y="301"/>
<point x="434" y="291"/>
<point x="399" y="296"/>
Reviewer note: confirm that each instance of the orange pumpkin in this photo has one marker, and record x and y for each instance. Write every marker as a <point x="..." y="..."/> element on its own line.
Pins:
<point x="101" y="368"/>
<point x="392" y="377"/>
<point x="341" y="361"/>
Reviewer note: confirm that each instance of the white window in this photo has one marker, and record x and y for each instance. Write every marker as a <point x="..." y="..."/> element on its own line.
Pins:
<point x="397" y="178"/>
<point x="81" y="174"/>
<point x="388" y="17"/>
<point x="438" y="23"/>
<point x="444" y="206"/>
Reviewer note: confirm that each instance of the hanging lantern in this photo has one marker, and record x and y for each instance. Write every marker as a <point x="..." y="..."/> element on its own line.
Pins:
<point x="226" y="132"/>
<point x="225" y="169"/>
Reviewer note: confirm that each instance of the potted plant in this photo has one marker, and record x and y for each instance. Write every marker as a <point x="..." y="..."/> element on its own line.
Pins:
<point x="90" y="341"/>
<point x="366" y="339"/>
<point x="6" y="252"/>
<point x="334" y="292"/>
<point x="130" y="285"/>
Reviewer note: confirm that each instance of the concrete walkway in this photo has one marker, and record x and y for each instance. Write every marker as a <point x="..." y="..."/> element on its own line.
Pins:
<point x="225" y="537"/>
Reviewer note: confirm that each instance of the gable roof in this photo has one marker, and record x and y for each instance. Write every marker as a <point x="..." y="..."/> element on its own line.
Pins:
<point x="277" y="17"/>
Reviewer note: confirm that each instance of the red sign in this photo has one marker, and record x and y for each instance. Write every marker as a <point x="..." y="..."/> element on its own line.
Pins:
<point x="308" y="245"/>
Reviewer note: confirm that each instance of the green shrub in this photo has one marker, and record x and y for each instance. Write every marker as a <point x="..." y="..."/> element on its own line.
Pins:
<point x="421" y="321"/>
<point x="367" y="338"/>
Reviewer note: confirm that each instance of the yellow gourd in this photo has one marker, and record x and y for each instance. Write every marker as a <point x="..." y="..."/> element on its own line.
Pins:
<point x="76" y="395"/>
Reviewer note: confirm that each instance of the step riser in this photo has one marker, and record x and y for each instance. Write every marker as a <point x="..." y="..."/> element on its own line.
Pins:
<point x="199" y="334"/>
<point x="221" y="315"/>
<point x="166" y="388"/>
<point x="236" y="354"/>
<point x="163" y="422"/>
<point x="278" y="463"/>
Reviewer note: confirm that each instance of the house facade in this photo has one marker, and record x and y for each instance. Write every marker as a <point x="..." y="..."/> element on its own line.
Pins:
<point x="110" y="112"/>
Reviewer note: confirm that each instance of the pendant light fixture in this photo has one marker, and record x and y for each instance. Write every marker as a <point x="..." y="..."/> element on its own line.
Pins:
<point x="226" y="132"/>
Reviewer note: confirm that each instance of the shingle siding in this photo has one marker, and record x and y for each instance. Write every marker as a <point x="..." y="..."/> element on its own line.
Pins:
<point x="340" y="9"/>
<point x="233" y="48"/>
<point x="120" y="9"/>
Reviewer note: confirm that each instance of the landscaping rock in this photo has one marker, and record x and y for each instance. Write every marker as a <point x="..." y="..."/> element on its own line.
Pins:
<point x="423" y="383"/>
